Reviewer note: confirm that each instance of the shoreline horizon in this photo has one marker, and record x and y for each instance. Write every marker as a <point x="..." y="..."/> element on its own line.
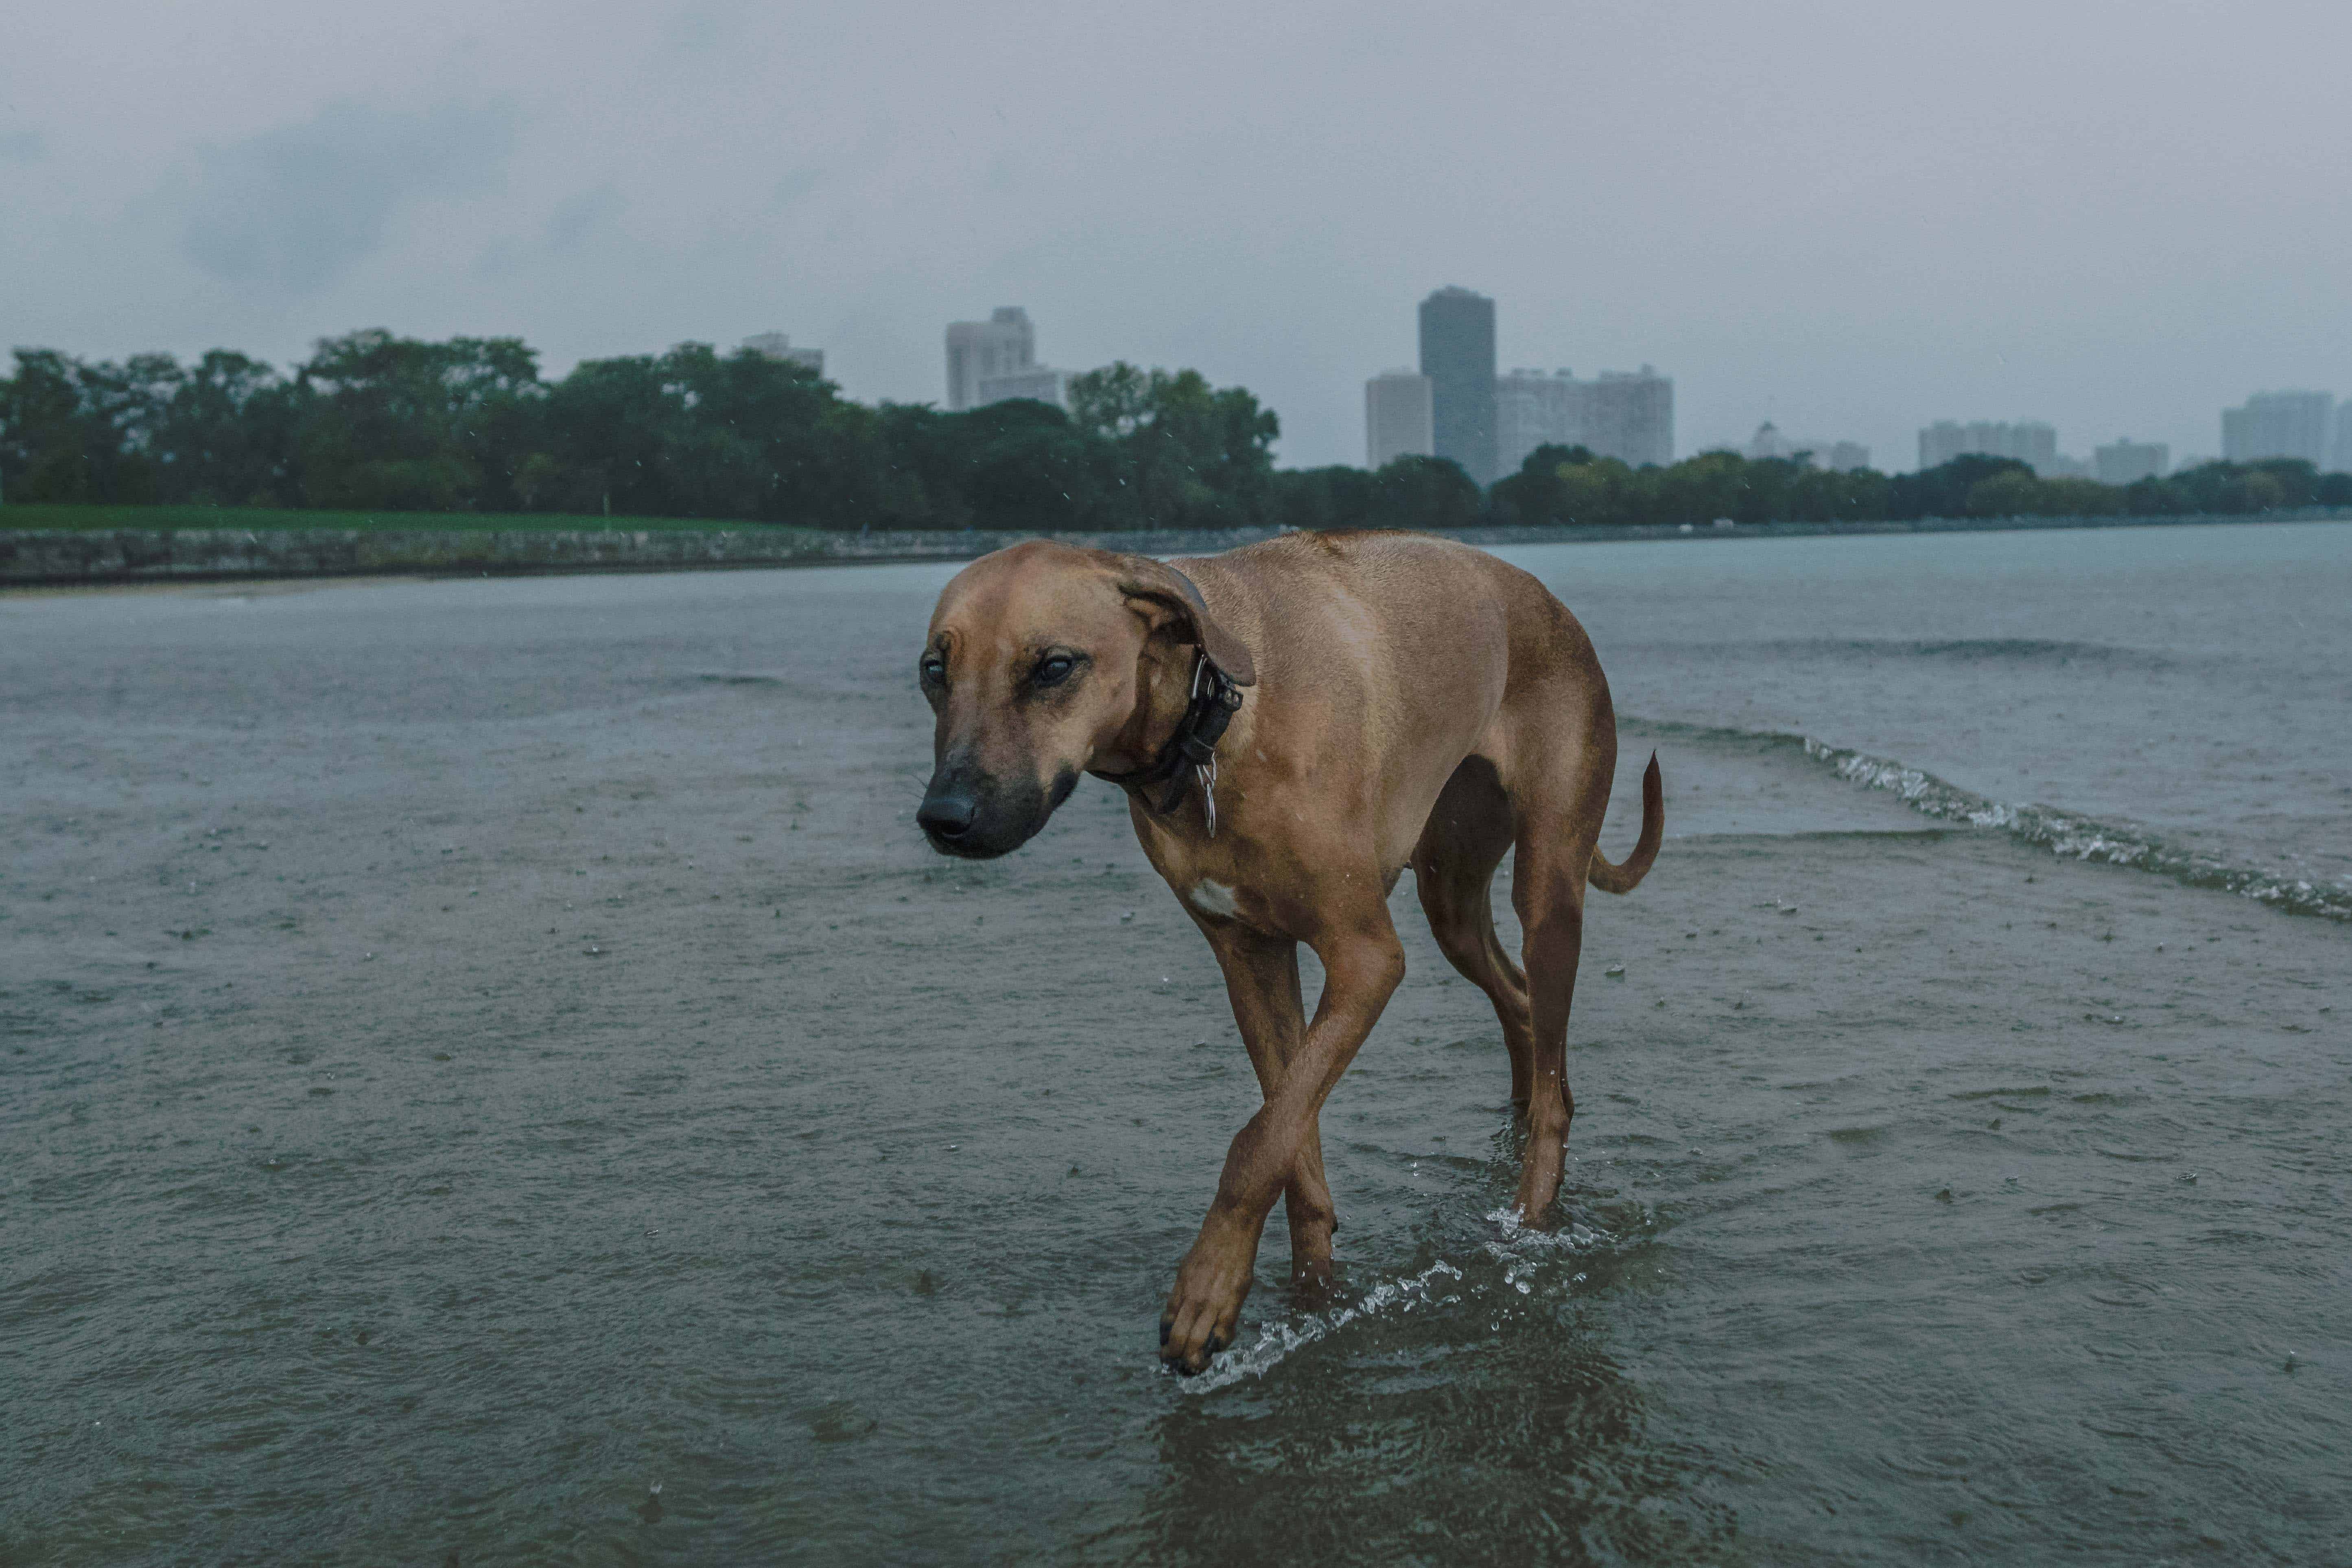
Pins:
<point x="103" y="557"/>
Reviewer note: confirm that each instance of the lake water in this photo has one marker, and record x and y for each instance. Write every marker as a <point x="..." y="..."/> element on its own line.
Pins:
<point x="489" y="1073"/>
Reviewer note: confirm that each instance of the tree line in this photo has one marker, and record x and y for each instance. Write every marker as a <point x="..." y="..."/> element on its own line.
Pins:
<point x="375" y="422"/>
<point x="1569" y="484"/>
<point x="372" y="421"/>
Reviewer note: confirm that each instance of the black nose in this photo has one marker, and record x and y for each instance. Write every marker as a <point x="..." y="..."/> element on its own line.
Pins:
<point x="949" y="815"/>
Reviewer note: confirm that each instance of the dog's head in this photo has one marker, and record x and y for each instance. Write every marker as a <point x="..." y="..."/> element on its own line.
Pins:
<point x="1038" y="659"/>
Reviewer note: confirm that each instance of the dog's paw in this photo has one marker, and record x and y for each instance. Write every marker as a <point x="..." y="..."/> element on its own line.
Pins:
<point x="1205" y="1308"/>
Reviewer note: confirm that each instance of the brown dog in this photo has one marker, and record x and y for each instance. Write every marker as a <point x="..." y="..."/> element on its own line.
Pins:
<point x="1294" y="724"/>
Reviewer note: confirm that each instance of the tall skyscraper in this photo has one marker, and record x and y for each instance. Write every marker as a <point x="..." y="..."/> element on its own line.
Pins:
<point x="1457" y="355"/>
<point x="777" y="346"/>
<point x="2342" y="462"/>
<point x="980" y="350"/>
<point x="1397" y="419"/>
<point x="2128" y="461"/>
<point x="2280" y="425"/>
<point x="2030" y="441"/>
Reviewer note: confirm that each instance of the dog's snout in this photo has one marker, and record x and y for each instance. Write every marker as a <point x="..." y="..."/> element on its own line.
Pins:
<point x="976" y="815"/>
<point x="948" y="813"/>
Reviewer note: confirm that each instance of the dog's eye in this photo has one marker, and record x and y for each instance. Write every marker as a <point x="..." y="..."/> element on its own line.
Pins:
<point x="935" y="668"/>
<point x="1054" y="670"/>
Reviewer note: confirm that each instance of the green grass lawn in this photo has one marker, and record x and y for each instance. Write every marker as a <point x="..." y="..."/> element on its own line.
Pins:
<point x="44" y="515"/>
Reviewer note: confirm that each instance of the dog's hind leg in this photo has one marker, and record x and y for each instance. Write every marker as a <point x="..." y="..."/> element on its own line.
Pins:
<point x="1547" y="889"/>
<point x="1468" y="834"/>
<point x="1262" y="982"/>
<point x="1560" y="801"/>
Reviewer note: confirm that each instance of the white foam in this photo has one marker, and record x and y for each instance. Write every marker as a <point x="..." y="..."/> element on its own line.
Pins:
<point x="1520" y="1249"/>
<point x="1277" y="1340"/>
<point x="1519" y="1236"/>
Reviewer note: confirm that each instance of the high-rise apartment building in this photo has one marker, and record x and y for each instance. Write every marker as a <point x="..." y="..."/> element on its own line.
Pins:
<point x="2030" y="441"/>
<point x="1398" y="418"/>
<point x="1457" y="355"/>
<point x="1533" y="410"/>
<point x="992" y="350"/>
<point x="776" y="345"/>
<point x="1629" y="416"/>
<point x="1625" y="414"/>
<point x="2280" y="425"/>
<point x="2128" y="461"/>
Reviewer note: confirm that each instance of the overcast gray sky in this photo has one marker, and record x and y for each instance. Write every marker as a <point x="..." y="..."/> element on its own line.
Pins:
<point x="1852" y="218"/>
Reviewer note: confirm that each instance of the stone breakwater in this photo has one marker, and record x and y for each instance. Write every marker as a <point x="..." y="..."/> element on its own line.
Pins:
<point x="34" y="556"/>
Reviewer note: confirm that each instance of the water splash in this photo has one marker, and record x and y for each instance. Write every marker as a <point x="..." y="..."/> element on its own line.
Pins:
<point x="1520" y="1248"/>
<point x="1277" y="1340"/>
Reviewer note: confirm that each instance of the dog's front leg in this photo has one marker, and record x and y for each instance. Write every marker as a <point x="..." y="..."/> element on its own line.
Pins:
<point x="1362" y="962"/>
<point x="1261" y="980"/>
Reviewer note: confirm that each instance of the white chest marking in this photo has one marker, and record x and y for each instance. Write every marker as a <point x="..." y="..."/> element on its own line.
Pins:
<point x="1214" y="898"/>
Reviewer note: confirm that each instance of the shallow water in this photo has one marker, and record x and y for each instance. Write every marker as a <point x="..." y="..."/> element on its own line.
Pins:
<point x="472" y="1052"/>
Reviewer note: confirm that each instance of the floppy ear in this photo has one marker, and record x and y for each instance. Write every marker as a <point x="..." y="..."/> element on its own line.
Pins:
<point x="1141" y="577"/>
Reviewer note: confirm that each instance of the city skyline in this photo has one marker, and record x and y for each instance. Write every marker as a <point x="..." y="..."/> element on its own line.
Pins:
<point x="1617" y="414"/>
<point x="993" y="361"/>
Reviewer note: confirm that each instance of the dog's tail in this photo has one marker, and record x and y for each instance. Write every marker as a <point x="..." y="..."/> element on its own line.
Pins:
<point x="1626" y="878"/>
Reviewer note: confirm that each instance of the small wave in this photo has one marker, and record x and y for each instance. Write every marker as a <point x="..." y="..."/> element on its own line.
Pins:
<point x="2079" y="838"/>
<point x="1980" y="650"/>
<point x="2062" y="833"/>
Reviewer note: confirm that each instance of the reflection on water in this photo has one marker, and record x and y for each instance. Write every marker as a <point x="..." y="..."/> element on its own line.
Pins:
<point x="1465" y="1411"/>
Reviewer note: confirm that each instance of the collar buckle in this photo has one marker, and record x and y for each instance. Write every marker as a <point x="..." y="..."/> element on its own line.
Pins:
<point x="1190" y="755"/>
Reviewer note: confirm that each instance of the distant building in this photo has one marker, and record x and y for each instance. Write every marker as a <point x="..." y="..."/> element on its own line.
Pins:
<point x="1457" y="355"/>
<point x="2128" y="461"/>
<point x="1533" y="410"/>
<point x="1767" y="443"/>
<point x="987" y="360"/>
<point x="1629" y="416"/>
<point x="1037" y="382"/>
<point x="777" y="346"/>
<point x="2030" y="441"/>
<point x="1837" y="456"/>
<point x="2343" y="463"/>
<point x="1398" y="418"/>
<point x="1625" y="414"/>
<point x="2280" y="425"/>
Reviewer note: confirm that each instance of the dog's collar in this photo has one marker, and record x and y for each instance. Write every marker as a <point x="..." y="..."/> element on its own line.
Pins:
<point x="1192" y="752"/>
